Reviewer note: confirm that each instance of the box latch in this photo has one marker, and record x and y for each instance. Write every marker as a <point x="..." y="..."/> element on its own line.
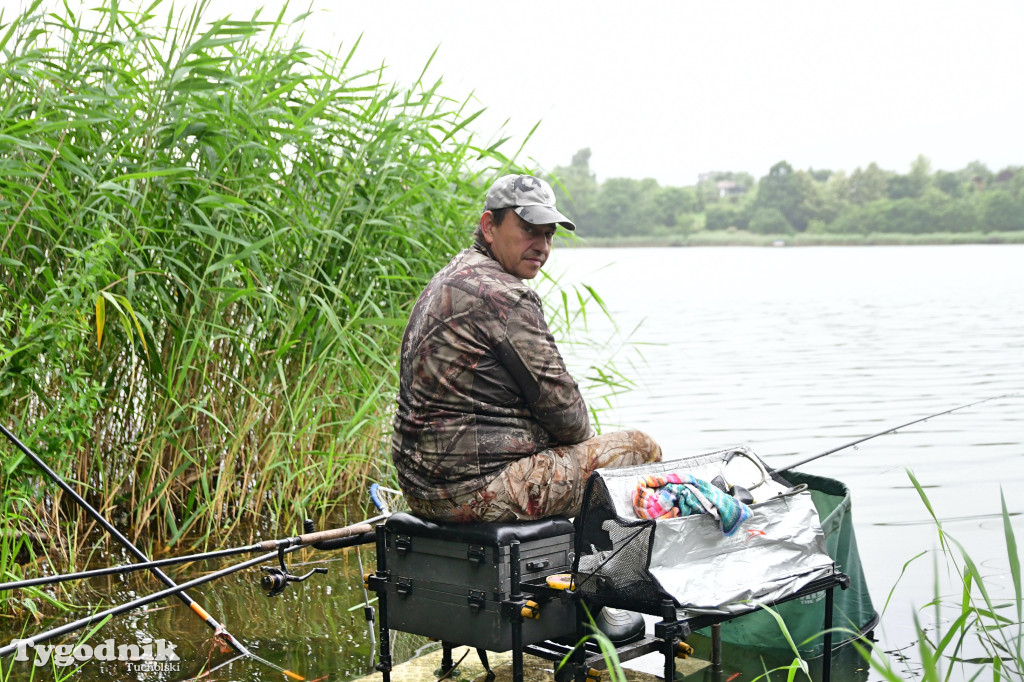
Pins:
<point x="403" y="586"/>
<point x="477" y="599"/>
<point x="403" y="543"/>
<point x="476" y="554"/>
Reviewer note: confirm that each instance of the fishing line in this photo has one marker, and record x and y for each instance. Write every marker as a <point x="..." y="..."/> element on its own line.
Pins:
<point x="207" y="673"/>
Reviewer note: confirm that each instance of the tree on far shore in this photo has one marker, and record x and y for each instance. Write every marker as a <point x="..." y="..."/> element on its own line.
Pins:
<point x="787" y="200"/>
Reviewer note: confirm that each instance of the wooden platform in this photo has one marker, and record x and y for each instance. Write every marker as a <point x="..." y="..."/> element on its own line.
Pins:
<point x="427" y="667"/>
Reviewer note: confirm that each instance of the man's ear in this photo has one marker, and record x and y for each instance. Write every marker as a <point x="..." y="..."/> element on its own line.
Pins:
<point x="487" y="226"/>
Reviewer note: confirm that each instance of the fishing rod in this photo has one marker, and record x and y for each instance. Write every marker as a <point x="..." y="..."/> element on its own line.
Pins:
<point x="277" y="549"/>
<point x="211" y="622"/>
<point x="30" y="642"/>
<point x="890" y="430"/>
<point x="348" y="536"/>
<point x="361" y="534"/>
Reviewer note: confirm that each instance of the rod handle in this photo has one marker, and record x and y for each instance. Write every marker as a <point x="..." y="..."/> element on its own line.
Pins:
<point x="320" y="536"/>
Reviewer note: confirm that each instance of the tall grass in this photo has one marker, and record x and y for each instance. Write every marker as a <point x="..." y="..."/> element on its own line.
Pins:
<point x="209" y="243"/>
<point x="978" y="638"/>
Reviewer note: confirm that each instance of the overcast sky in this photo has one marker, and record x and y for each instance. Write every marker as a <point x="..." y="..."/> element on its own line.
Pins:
<point x="672" y="89"/>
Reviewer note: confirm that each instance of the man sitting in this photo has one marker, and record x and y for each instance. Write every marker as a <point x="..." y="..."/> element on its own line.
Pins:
<point x="490" y="425"/>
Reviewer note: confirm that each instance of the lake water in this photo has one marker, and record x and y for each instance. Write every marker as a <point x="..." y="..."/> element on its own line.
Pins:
<point x="788" y="351"/>
<point x="796" y="351"/>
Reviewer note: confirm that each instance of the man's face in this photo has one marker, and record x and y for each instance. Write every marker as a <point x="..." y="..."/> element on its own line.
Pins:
<point x="520" y="247"/>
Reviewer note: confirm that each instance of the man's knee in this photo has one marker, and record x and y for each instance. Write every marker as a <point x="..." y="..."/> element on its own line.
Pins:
<point x="644" y="446"/>
<point x="618" y="449"/>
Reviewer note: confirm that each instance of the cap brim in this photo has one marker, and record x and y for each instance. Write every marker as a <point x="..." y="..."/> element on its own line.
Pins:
<point x="543" y="215"/>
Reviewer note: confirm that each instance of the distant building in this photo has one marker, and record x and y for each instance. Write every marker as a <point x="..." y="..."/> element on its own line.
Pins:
<point x="728" y="188"/>
<point x="725" y="187"/>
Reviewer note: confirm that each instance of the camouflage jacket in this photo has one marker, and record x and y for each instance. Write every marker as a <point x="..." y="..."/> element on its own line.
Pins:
<point x="481" y="381"/>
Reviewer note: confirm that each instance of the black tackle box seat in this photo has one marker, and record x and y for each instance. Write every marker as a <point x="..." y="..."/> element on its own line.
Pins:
<point x="449" y="581"/>
<point x="479" y="533"/>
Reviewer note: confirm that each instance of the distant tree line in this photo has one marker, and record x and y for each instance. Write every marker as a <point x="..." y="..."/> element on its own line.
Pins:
<point x="788" y="201"/>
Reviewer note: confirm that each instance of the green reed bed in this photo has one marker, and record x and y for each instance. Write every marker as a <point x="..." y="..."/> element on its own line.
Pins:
<point x="209" y="243"/>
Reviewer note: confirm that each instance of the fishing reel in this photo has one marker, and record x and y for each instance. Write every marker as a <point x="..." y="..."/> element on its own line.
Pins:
<point x="739" y="492"/>
<point x="276" y="578"/>
<point x="745" y="495"/>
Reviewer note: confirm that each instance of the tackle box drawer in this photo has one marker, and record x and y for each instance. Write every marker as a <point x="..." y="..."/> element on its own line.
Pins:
<point x="465" y="616"/>
<point x="479" y="566"/>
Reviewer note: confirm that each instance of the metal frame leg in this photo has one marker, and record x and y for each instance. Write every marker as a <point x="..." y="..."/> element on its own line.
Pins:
<point x="447" y="662"/>
<point x="382" y="600"/>
<point x="578" y="661"/>
<point x="826" y="661"/>
<point x="669" y="673"/>
<point x="716" y="648"/>
<point x="516" y="598"/>
<point x="670" y="631"/>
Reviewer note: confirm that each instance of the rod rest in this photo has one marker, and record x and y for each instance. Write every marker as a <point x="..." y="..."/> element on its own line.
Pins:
<point x="479" y="533"/>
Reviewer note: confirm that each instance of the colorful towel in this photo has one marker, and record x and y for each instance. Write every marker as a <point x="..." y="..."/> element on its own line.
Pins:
<point x="672" y="495"/>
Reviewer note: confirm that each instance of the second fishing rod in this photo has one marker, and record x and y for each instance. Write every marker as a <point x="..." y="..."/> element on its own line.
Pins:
<point x="277" y="549"/>
<point x="893" y="429"/>
<point x="338" y="538"/>
<point x="349" y="536"/>
<point x="202" y="613"/>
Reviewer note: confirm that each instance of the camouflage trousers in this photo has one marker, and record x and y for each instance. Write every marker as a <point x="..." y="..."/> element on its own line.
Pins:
<point x="549" y="483"/>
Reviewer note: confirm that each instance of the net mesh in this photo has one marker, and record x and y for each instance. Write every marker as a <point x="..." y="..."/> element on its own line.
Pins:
<point x="613" y="555"/>
<point x="387" y="500"/>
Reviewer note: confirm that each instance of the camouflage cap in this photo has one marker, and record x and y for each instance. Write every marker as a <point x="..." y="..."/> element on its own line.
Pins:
<point x="530" y="197"/>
